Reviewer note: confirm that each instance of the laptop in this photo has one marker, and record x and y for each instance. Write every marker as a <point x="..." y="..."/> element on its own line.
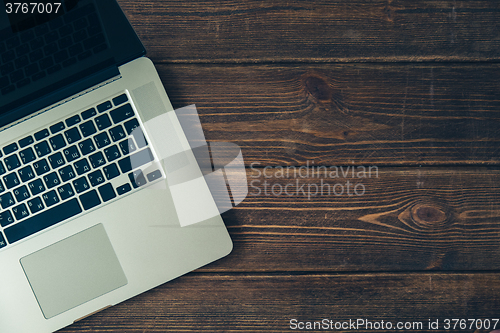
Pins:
<point x="87" y="217"/>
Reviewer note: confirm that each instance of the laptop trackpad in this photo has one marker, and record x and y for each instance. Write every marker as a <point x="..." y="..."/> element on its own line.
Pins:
<point x="73" y="271"/>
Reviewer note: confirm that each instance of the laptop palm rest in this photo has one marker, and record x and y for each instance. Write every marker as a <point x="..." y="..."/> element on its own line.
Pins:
<point x="73" y="271"/>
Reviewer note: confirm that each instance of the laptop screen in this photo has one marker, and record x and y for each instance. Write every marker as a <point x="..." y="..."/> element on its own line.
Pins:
<point x="50" y="50"/>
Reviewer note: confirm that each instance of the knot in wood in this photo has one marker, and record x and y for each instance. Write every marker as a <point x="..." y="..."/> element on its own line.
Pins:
<point x="428" y="215"/>
<point x="318" y="88"/>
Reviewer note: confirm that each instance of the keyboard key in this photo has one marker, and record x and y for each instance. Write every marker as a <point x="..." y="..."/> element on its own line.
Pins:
<point x="20" y="211"/>
<point x="107" y="193"/>
<point x="57" y="127"/>
<point x="17" y="76"/>
<point x="63" y="54"/>
<point x="65" y="30"/>
<point x="111" y="171"/>
<point x="2" y="169"/>
<point x="11" y="180"/>
<point x="2" y="241"/>
<point x="51" y="180"/>
<point x="138" y="135"/>
<point x="36" y="187"/>
<point x="50" y="198"/>
<point x="137" y="159"/>
<point x="131" y="125"/>
<point x="12" y="162"/>
<point x="41" y="134"/>
<point x="137" y="178"/>
<point x="8" y="90"/>
<point x="88" y="128"/>
<point x="1" y="187"/>
<point x="10" y="148"/>
<point x="73" y="120"/>
<point x="4" y="81"/>
<point x="90" y="200"/>
<point x="123" y="189"/>
<point x="152" y="176"/>
<point x="67" y="173"/>
<point x="31" y="70"/>
<point x="36" y="55"/>
<point x="46" y="62"/>
<point x="38" y="76"/>
<point x="102" y="140"/>
<point x="122" y="113"/>
<point x="97" y="160"/>
<point x="71" y="153"/>
<point x="26" y="173"/>
<point x="86" y="146"/>
<point x="57" y="142"/>
<point x="117" y="133"/>
<point x="41" y="29"/>
<point x="65" y="191"/>
<point x="43" y="220"/>
<point x="89" y="113"/>
<point x="6" y="200"/>
<point x="104" y="106"/>
<point x="27" y="36"/>
<point x="82" y="166"/>
<point x="72" y="135"/>
<point x="96" y="178"/>
<point x="7" y="68"/>
<point x="84" y="55"/>
<point x="75" y="50"/>
<point x="22" y="60"/>
<point x="13" y="42"/>
<point x="80" y="23"/>
<point x="56" y="160"/>
<point x="127" y="146"/>
<point x="81" y="184"/>
<point x="41" y="167"/>
<point x="35" y="205"/>
<point x="69" y="62"/>
<point x="21" y="193"/>
<point x="6" y="218"/>
<point x="27" y="155"/>
<point x="112" y="153"/>
<point x="23" y="82"/>
<point x="120" y="99"/>
<point x="102" y="122"/>
<point x="80" y="35"/>
<point x="42" y="148"/>
<point x="8" y="56"/>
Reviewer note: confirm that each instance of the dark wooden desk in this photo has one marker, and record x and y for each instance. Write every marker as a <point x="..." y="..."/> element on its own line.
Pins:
<point x="409" y="88"/>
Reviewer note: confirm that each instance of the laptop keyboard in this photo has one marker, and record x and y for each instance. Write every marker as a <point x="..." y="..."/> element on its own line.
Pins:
<point x="71" y="167"/>
<point x="49" y="48"/>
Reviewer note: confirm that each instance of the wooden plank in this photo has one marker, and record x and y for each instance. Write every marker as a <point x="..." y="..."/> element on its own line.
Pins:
<point x="319" y="31"/>
<point x="397" y="114"/>
<point x="396" y="219"/>
<point x="241" y="303"/>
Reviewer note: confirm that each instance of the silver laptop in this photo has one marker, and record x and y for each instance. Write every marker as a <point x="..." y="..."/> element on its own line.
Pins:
<point x="87" y="218"/>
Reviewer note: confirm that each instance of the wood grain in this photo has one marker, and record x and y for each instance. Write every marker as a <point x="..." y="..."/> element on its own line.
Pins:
<point x="410" y="87"/>
<point x="316" y="31"/>
<point x="397" y="114"/>
<point x="257" y="303"/>
<point x="399" y="219"/>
